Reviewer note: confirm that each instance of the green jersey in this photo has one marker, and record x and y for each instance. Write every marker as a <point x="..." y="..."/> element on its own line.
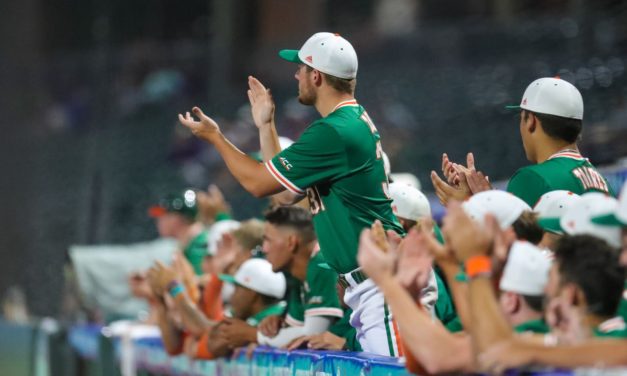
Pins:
<point x="343" y="328"/>
<point x="337" y="162"/>
<point x="565" y="170"/>
<point x="273" y="310"/>
<point x="612" y="328"/>
<point x="533" y="326"/>
<point x="444" y="308"/>
<point x="196" y="250"/>
<point x="316" y="296"/>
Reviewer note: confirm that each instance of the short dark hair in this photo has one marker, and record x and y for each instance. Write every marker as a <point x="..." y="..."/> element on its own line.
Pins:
<point x="342" y="85"/>
<point x="558" y="127"/>
<point x="536" y="303"/>
<point x="527" y="228"/>
<point x="294" y="217"/>
<point x="593" y="265"/>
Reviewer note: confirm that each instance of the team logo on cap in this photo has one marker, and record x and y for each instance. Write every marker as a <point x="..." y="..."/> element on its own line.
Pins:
<point x="524" y="102"/>
<point x="309" y="59"/>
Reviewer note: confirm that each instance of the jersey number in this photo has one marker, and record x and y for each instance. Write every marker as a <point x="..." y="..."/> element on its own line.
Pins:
<point x="373" y="129"/>
<point x="315" y="201"/>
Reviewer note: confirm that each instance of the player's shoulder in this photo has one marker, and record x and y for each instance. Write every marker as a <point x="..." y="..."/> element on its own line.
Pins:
<point x="535" y="171"/>
<point x="318" y="266"/>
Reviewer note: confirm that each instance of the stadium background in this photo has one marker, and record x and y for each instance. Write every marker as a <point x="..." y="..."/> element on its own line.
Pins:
<point x="90" y="91"/>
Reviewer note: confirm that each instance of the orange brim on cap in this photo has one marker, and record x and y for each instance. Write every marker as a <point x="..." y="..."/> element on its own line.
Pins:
<point x="156" y="211"/>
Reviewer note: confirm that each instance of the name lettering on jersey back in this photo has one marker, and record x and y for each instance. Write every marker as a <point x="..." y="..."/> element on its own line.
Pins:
<point x="591" y="179"/>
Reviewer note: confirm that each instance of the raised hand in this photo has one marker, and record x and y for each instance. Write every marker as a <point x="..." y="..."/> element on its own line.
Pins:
<point x="376" y="263"/>
<point x="447" y="192"/>
<point x="466" y="237"/>
<point x="211" y="203"/>
<point x="414" y="262"/>
<point x="204" y="128"/>
<point x="261" y="102"/>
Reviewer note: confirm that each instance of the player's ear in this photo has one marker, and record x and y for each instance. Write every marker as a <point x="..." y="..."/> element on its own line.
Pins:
<point x="292" y="243"/>
<point x="532" y="122"/>
<point x="317" y="77"/>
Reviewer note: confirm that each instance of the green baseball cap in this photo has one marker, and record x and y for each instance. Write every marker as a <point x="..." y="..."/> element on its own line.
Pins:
<point x="183" y="203"/>
<point x="551" y="224"/>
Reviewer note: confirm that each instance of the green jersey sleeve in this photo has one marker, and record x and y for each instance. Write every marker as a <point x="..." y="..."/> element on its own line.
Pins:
<point x="318" y="155"/>
<point x="320" y="294"/>
<point x="527" y="185"/>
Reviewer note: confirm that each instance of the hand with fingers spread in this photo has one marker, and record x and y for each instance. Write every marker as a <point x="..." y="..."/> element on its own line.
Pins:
<point x="270" y="326"/>
<point x="261" y="102"/>
<point x="446" y="192"/>
<point x="376" y="263"/>
<point x="205" y="128"/>
<point x="414" y="262"/>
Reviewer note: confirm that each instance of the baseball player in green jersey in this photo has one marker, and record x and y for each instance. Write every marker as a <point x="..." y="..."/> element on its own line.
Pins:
<point x="175" y="216"/>
<point x="312" y="301"/>
<point x="551" y="114"/>
<point x="337" y="162"/>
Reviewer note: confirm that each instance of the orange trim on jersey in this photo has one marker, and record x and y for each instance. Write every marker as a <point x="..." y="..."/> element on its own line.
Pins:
<point x="567" y="154"/>
<point x="397" y="337"/>
<point x="351" y="102"/>
<point x="202" y="348"/>
<point x="282" y="179"/>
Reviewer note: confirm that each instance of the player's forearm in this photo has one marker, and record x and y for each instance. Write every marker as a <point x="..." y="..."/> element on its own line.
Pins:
<point x="245" y="170"/>
<point x="313" y="325"/>
<point x="488" y="323"/>
<point x="430" y="343"/>
<point x="269" y="141"/>
<point x="598" y="353"/>
<point x="459" y="293"/>
<point x="170" y="334"/>
<point x="193" y="319"/>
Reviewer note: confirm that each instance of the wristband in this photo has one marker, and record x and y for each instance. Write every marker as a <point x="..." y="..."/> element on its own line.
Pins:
<point x="461" y="274"/>
<point x="176" y="290"/>
<point x="478" y="266"/>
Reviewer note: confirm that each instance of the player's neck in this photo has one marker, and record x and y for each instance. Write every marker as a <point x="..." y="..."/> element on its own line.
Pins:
<point x="328" y="99"/>
<point x="550" y="147"/>
<point x="298" y="268"/>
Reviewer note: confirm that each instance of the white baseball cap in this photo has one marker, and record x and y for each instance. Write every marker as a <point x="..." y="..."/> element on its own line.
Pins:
<point x="327" y="52"/>
<point x="408" y="202"/>
<point x="578" y="219"/>
<point x="504" y="206"/>
<point x="216" y="231"/>
<point x="257" y="275"/>
<point x="551" y="207"/>
<point x="526" y="271"/>
<point x="552" y="96"/>
<point x="406" y="178"/>
<point x="619" y="216"/>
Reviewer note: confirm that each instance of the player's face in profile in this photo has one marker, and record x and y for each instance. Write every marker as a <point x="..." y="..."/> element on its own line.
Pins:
<point x="276" y="247"/>
<point x="306" y="92"/>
